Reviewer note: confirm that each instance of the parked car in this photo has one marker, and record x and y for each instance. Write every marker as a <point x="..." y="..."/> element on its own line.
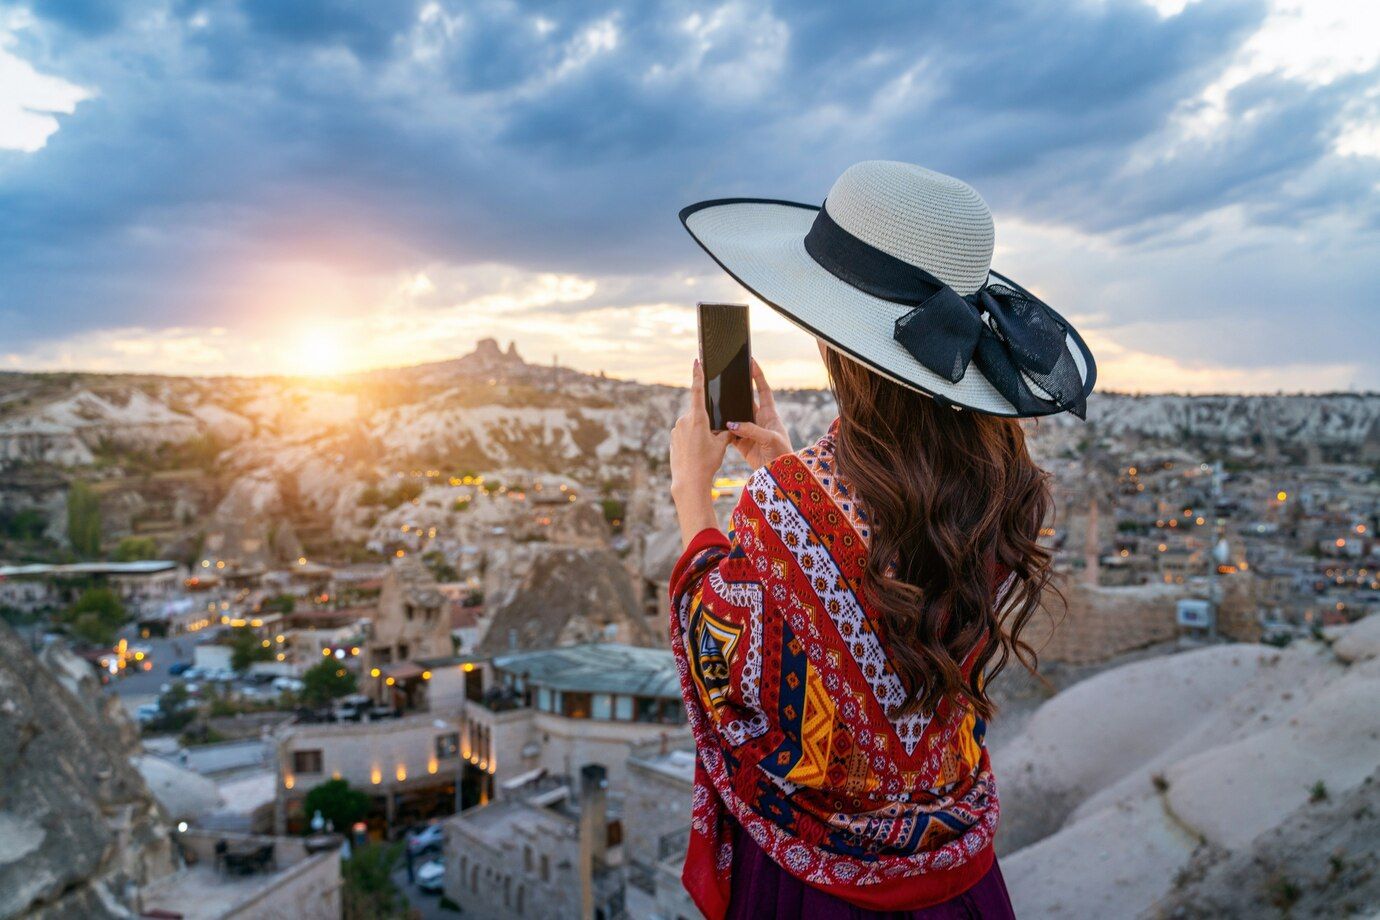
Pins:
<point x="180" y="668"/>
<point x="430" y="837"/>
<point x="146" y="713"/>
<point x="288" y="684"/>
<point x="351" y="708"/>
<point x="193" y="673"/>
<point x="431" y="876"/>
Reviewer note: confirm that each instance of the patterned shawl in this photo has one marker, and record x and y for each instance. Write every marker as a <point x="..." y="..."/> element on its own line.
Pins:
<point x="789" y="693"/>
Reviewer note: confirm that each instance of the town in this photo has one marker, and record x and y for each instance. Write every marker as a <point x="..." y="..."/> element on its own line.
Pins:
<point x="421" y="624"/>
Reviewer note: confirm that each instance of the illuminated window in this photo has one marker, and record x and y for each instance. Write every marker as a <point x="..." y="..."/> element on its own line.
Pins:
<point x="576" y="705"/>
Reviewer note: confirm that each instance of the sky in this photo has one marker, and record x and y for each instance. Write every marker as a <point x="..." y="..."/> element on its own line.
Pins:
<point x="253" y="186"/>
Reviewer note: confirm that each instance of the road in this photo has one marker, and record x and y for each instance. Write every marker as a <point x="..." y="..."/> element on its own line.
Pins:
<point x="428" y="906"/>
<point x="165" y="653"/>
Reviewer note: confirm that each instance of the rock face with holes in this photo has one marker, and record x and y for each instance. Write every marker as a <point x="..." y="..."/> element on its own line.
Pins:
<point x="1229" y="775"/>
<point x="79" y="830"/>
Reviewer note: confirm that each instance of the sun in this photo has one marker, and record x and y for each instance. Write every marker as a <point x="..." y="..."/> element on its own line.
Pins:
<point x="319" y="353"/>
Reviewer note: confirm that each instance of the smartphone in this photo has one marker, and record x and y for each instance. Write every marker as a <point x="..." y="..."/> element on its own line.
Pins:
<point x="726" y="357"/>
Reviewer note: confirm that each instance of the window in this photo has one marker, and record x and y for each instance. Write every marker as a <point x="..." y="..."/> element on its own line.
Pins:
<point x="447" y="746"/>
<point x="544" y="699"/>
<point x="402" y="651"/>
<point x="576" y="705"/>
<point x="545" y="868"/>
<point x="407" y="611"/>
<point x="672" y="711"/>
<point x="603" y="706"/>
<point x="306" y="761"/>
<point x="613" y="833"/>
<point x="623" y="708"/>
<point x="648" y="709"/>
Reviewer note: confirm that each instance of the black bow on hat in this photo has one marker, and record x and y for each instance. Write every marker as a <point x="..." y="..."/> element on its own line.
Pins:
<point x="1024" y="340"/>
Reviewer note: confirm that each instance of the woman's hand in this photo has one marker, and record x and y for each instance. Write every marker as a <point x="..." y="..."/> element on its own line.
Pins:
<point x="696" y="455"/>
<point x="767" y="439"/>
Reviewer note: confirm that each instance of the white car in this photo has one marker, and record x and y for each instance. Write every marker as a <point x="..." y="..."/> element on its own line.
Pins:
<point x="288" y="684"/>
<point x="431" y="876"/>
<point x="146" y="713"/>
<point x="433" y="835"/>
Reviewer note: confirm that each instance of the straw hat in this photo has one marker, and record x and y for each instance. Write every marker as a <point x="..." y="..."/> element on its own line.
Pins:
<point x="895" y="272"/>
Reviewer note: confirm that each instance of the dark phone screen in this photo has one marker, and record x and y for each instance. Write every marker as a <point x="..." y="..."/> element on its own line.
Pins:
<point x="726" y="356"/>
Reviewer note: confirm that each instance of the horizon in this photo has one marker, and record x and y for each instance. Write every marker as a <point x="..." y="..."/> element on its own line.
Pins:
<point x="336" y="190"/>
<point x="355" y="378"/>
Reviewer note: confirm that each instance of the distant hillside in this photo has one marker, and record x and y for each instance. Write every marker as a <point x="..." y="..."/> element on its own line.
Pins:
<point x="293" y="463"/>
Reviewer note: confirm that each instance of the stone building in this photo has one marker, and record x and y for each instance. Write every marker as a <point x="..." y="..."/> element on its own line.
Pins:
<point x="551" y="849"/>
<point x="412" y="622"/>
<point x="554" y="710"/>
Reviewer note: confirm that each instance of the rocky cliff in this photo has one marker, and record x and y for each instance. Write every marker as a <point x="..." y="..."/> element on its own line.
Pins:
<point x="79" y="830"/>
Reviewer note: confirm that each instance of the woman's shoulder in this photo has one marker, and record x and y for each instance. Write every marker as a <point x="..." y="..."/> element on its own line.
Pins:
<point x="809" y="480"/>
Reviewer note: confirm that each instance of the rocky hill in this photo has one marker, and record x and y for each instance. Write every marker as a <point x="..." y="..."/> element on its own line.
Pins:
<point x="290" y="465"/>
<point x="1231" y="781"/>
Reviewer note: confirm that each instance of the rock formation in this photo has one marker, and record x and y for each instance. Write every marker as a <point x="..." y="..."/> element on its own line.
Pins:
<point x="79" y="830"/>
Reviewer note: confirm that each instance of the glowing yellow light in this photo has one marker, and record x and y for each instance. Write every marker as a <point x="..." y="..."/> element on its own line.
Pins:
<point x="432" y="766"/>
<point x="282" y="657"/>
<point x="1282" y="495"/>
<point x="266" y="643"/>
<point x="376" y="776"/>
<point x="139" y="656"/>
<point x="390" y="682"/>
<point x="256" y="622"/>
<point x="401" y="773"/>
<point x="1131" y="471"/>
<point x="468" y="666"/>
<point x="354" y="650"/>
<point x="220" y="564"/>
<point x="373" y="672"/>
<point x="289" y="781"/>
<point x="426" y="675"/>
<point x="301" y="560"/>
<point x="325" y="653"/>
<point x="280" y="638"/>
<point x="400" y="553"/>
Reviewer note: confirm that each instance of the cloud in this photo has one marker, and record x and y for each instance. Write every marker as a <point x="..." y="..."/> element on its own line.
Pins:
<point x="1169" y="172"/>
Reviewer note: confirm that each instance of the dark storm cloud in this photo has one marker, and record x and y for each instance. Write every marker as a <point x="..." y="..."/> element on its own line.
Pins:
<point x="384" y="134"/>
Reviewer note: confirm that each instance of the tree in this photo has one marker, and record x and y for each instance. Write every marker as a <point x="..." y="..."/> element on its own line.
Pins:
<point x="133" y="549"/>
<point x="96" y="616"/>
<point x="280" y="603"/>
<point x="246" y="648"/>
<point x="440" y="569"/>
<point x="326" y="680"/>
<point x="83" y="519"/>
<point x="338" y="802"/>
<point x="369" y="890"/>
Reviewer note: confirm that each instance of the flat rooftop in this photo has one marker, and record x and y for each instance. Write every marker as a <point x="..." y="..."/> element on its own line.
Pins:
<point x="600" y="667"/>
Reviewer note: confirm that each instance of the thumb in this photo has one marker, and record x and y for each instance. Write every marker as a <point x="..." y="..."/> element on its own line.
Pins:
<point x="752" y="432"/>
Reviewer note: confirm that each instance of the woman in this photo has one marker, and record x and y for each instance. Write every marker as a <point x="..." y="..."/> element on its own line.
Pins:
<point x="835" y="646"/>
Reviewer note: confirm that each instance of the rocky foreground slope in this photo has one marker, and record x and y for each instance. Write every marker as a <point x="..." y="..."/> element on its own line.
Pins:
<point x="1230" y="781"/>
<point x="79" y="830"/>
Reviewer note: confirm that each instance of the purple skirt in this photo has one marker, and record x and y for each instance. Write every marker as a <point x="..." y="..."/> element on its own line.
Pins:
<point x="762" y="889"/>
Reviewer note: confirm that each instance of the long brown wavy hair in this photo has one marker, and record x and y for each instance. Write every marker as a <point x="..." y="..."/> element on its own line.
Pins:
<point x="951" y="498"/>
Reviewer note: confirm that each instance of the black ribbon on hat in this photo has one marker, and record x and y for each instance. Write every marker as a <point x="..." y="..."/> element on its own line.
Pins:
<point x="946" y="331"/>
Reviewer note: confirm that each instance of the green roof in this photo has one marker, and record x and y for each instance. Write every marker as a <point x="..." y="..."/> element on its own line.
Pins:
<point x="602" y="667"/>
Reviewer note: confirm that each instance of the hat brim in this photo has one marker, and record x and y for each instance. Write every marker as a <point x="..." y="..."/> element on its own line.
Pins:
<point x="761" y="244"/>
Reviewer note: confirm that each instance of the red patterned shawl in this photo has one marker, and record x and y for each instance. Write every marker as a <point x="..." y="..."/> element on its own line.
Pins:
<point x="789" y="693"/>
